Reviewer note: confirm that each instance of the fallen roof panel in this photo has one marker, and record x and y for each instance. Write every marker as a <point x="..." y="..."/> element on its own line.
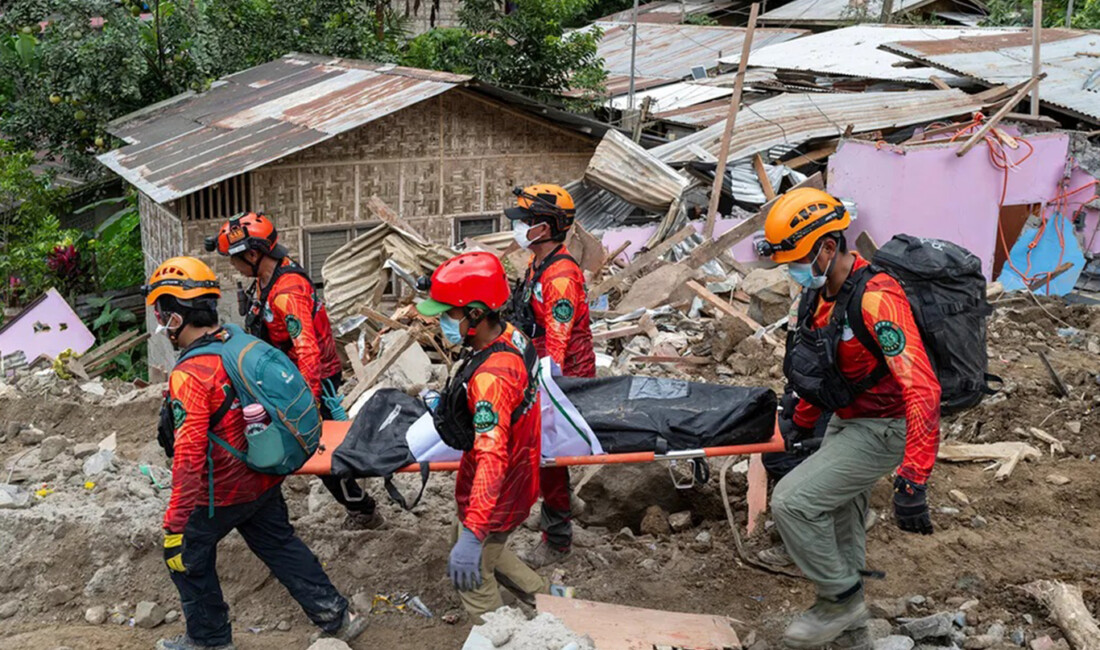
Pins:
<point x="668" y="11"/>
<point x="257" y="116"/>
<point x="1068" y="57"/>
<point x="796" y="118"/>
<point x="671" y="51"/>
<point x="673" y="96"/>
<point x="832" y="12"/>
<point x="854" y="51"/>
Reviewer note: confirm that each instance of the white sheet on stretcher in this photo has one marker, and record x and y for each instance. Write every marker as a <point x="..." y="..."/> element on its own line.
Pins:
<point x="564" y="431"/>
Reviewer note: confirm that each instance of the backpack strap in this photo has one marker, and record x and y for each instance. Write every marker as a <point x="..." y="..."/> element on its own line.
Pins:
<point x="522" y="311"/>
<point x="259" y="328"/>
<point x="853" y="308"/>
<point x="395" y="494"/>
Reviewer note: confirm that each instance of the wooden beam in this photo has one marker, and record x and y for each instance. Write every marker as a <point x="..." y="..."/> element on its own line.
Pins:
<point x="643" y="327"/>
<point x="1045" y="279"/>
<point x="641" y="262"/>
<point x="1036" y="57"/>
<point x="866" y="245"/>
<point x="611" y="258"/>
<point x="762" y="176"/>
<point x="386" y="214"/>
<point x="728" y="309"/>
<point x="383" y="364"/>
<point x="999" y="115"/>
<point x="352" y="350"/>
<point x="813" y="156"/>
<point x="1041" y="121"/>
<point x="731" y="119"/>
<point x="1063" y="390"/>
<point x="939" y="83"/>
<point x="1068" y="610"/>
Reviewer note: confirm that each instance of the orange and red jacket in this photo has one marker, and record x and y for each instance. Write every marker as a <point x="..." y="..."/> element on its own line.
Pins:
<point x="197" y="388"/>
<point x="297" y="323"/>
<point x="498" y="480"/>
<point x="560" y="303"/>
<point x="909" y="391"/>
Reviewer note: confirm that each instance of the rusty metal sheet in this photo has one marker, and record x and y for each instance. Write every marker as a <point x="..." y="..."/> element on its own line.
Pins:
<point x="1069" y="57"/>
<point x="669" y="11"/>
<point x="796" y="118"/>
<point x="835" y="12"/>
<point x="256" y="116"/>
<point x="671" y="51"/>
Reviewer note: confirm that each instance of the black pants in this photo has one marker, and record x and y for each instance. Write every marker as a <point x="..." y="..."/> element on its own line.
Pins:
<point x="265" y="527"/>
<point x="346" y="491"/>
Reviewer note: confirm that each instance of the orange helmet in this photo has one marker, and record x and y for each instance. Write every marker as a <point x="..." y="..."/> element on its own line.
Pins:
<point x="796" y="222"/>
<point x="183" y="278"/>
<point x="248" y="231"/>
<point x="544" y="203"/>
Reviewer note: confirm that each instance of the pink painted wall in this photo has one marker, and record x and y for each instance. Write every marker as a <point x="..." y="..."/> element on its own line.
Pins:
<point x="59" y="328"/>
<point x="929" y="191"/>
<point x="639" y="235"/>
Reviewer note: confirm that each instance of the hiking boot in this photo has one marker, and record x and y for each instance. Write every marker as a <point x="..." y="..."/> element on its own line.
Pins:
<point x="184" y="642"/>
<point x="362" y="521"/>
<point x="351" y="627"/>
<point x="544" y="555"/>
<point x="826" y="621"/>
<point x="776" y="556"/>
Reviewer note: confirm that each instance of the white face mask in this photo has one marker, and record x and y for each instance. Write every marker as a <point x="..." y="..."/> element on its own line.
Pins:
<point x="519" y="233"/>
<point x="168" y="327"/>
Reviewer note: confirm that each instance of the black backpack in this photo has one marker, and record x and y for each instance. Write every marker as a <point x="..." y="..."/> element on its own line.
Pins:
<point x="946" y="290"/>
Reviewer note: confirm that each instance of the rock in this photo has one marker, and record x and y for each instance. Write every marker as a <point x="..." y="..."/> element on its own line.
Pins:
<point x="283" y="626"/>
<point x="85" y="449"/>
<point x="1042" y="643"/>
<point x="728" y="334"/>
<point x="997" y="631"/>
<point x="59" y="595"/>
<point x="665" y="284"/>
<point x="1057" y="479"/>
<point x="889" y="608"/>
<point x="118" y="618"/>
<point x="1073" y="427"/>
<point x="31" y="435"/>
<point x="618" y="495"/>
<point x="979" y="522"/>
<point x="655" y="522"/>
<point x="969" y="605"/>
<point x="769" y="291"/>
<point x="980" y="642"/>
<point x="333" y="644"/>
<point x="960" y="497"/>
<point x="895" y="642"/>
<point x="917" y="601"/>
<point x="879" y="628"/>
<point x="12" y="497"/>
<point x="9" y="609"/>
<point x="94" y="388"/>
<point x="935" y="626"/>
<point x="148" y="614"/>
<point x="52" y="447"/>
<point x="959" y="619"/>
<point x="96" y="615"/>
<point x="948" y="510"/>
<point x="626" y="532"/>
<point x="101" y="461"/>
<point x="680" y="521"/>
<point x="172" y="616"/>
<point x="1017" y="636"/>
<point x="362" y="602"/>
<point x="702" y="542"/>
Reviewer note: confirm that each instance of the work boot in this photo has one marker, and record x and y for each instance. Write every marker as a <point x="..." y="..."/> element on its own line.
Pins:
<point x="351" y="627"/>
<point x="184" y="642"/>
<point x="362" y="521"/>
<point x="776" y="556"/>
<point x="826" y="621"/>
<point x="545" y="554"/>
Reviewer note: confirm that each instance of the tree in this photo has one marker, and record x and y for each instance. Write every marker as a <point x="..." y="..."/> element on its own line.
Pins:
<point x="523" y="48"/>
<point x="1018" y="13"/>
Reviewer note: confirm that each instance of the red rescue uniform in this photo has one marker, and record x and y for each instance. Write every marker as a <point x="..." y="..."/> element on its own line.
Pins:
<point x="197" y="388"/>
<point x="497" y="481"/>
<point x="909" y="391"/>
<point x="297" y="323"/>
<point x="560" y="304"/>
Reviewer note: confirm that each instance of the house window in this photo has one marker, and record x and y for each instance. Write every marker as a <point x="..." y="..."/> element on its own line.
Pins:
<point x="222" y="201"/>
<point x="466" y="227"/>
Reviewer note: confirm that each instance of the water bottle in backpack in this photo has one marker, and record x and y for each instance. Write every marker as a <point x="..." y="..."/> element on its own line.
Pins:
<point x="264" y="449"/>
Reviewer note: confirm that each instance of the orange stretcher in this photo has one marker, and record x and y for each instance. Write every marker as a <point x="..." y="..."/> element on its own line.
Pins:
<point x="334" y="432"/>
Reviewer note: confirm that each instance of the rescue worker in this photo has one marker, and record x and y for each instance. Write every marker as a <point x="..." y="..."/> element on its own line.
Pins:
<point x="550" y="305"/>
<point x="877" y="381"/>
<point x="184" y="294"/>
<point x="490" y="409"/>
<point x="281" y="307"/>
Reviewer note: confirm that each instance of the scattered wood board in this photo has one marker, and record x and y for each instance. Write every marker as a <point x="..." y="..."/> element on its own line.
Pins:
<point x="1046" y="278"/>
<point x="728" y="309"/>
<point x="352" y="350"/>
<point x="389" y="356"/>
<point x="866" y="245"/>
<point x="641" y="328"/>
<point x="995" y="451"/>
<point x="641" y="263"/>
<point x="1068" y="611"/>
<point x="762" y="176"/>
<point x="619" y="627"/>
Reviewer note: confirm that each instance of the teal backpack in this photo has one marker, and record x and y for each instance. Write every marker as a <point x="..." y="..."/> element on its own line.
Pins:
<point x="262" y="374"/>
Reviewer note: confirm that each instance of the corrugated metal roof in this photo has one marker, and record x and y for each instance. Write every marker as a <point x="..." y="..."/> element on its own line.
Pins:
<point x="796" y="118"/>
<point x="832" y="12"/>
<point x="597" y="209"/>
<point x="629" y="171"/>
<point x="1068" y="57"/>
<point x="673" y="96"/>
<point x="853" y="51"/>
<point x="670" y="51"/>
<point x="668" y="11"/>
<point x="699" y="115"/>
<point x="259" y="115"/>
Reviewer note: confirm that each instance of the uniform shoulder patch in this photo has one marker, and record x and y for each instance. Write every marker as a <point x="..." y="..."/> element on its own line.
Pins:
<point x="293" y="326"/>
<point x="485" y="417"/>
<point x="563" y="311"/>
<point x="179" y="414"/>
<point x="890" y="337"/>
<point x="519" y="340"/>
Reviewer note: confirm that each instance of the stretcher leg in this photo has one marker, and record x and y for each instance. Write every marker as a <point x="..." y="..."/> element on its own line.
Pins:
<point x="758" y="491"/>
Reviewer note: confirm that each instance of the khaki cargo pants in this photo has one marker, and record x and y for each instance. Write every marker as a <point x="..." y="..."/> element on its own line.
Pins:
<point x="500" y="568"/>
<point x="820" y="506"/>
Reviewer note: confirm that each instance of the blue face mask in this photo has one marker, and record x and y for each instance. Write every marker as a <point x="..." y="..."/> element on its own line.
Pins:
<point x="803" y="273"/>
<point x="451" y="331"/>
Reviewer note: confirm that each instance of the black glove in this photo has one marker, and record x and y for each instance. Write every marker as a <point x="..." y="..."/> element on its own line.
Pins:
<point x="911" y="507"/>
<point x="166" y="427"/>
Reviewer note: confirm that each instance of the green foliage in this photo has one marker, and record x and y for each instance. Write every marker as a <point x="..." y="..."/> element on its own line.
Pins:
<point x="700" y="19"/>
<point x="116" y="245"/>
<point x="1018" y="13"/>
<point x="526" y="50"/>
<point x="107" y="325"/>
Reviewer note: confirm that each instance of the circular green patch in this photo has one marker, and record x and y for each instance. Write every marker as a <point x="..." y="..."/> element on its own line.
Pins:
<point x="485" y="418"/>
<point x="890" y="337"/>
<point x="563" y="311"/>
<point x="293" y="326"/>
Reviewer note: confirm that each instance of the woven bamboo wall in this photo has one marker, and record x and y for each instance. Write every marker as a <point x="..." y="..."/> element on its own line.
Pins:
<point x="161" y="238"/>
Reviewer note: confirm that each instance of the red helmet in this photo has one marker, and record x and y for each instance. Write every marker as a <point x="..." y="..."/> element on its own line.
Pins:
<point x="464" y="280"/>
<point x="247" y="231"/>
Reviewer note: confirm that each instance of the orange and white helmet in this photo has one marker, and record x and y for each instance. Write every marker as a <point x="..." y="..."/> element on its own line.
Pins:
<point x="797" y="221"/>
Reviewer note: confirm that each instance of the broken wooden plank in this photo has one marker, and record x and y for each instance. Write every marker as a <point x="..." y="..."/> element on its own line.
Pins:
<point x="866" y="245"/>
<point x="1005" y="470"/>
<point x="1046" y="278"/>
<point x="610" y="258"/>
<point x="389" y="356"/>
<point x="101" y="365"/>
<point x="729" y="310"/>
<point x="641" y="328"/>
<point x="1041" y="121"/>
<point x="1063" y="390"/>
<point x="938" y="83"/>
<point x="999" y="115"/>
<point x="994" y="451"/>
<point x="386" y="214"/>
<point x="641" y="262"/>
<point x="762" y="176"/>
<point x="98" y="353"/>
<point x="1056" y="445"/>
<point x="352" y="350"/>
<point x="1068" y="611"/>
<point x="813" y="156"/>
